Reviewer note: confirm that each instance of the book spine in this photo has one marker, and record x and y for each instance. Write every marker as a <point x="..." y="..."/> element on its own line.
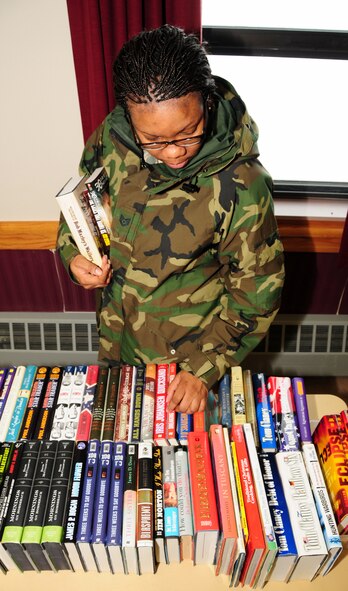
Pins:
<point x="21" y="403"/>
<point x="264" y="418"/>
<point x="224" y="392"/>
<point x="84" y="528"/>
<point x="6" y="450"/>
<point x="250" y="409"/>
<point x="98" y="182"/>
<point x="237" y="396"/>
<point x="9" y="481"/>
<point x="114" y="526"/>
<point x="3" y="374"/>
<point x="110" y="405"/>
<point x="300" y="398"/>
<point x="148" y="410"/>
<point x="160" y="427"/>
<point x="145" y="496"/>
<point x="35" y="401"/>
<point x="199" y="421"/>
<point x="7" y="376"/>
<point x="75" y="492"/>
<point x="75" y="403"/>
<point x="11" y="401"/>
<point x="96" y="209"/>
<point x="99" y="403"/>
<point x="124" y="403"/>
<point x="184" y="493"/>
<point x="85" y="420"/>
<point x="184" y="424"/>
<point x="158" y="495"/>
<point x="60" y="416"/>
<point x="284" y="413"/>
<point x="239" y="488"/>
<point x="170" y="495"/>
<point x="92" y="222"/>
<point x="130" y="499"/>
<point x="46" y="411"/>
<point x="138" y="403"/>
<point x="102" y="492"/>
<point x="171" y="414"/>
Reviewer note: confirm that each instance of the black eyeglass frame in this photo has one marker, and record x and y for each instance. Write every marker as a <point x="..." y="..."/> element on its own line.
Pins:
<point x="181" y="143"/>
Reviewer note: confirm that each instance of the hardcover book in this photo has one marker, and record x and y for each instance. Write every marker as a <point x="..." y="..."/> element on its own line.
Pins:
<point x="264" y="418"/>
<point x="138" y="403"/>
<point x="170" y="501"/>
<point x="301" y="404"/>
<point x="171" y="414"/>
<point x="160" y="423"/>
<point x="85" y="419"/>
<point x="129" y="526"/>
<point x="35" y="402"/>
<point x="224" y="393"/>
<point x="184" y="504"/>
<point x="158" y="503"/>
<point x="148" y="408"/>
<point x="205" y="516"/>
<point x="114" y="524"/>
<point x="184" y="424"/>
<point x="250" y="409"/>
<point x="46" y="411"/>
<point x="227" y="543"/>
<point x="123" y="410"/>
<point x="237" y="396"/>
<point x="310" y="543"/>
<point x="145" y="519"/>
<point x="284" y="413"/>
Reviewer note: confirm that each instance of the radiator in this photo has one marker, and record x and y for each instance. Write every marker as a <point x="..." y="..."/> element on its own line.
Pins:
<point x="308" y="345"/>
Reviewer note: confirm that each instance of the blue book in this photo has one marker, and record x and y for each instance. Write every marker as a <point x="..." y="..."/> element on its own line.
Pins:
<point x="84" y="528"/>
<point x="7" y="376"/>
<point x="184" y="424"/>
<point x="265" y="424"/>
<point x="287" y="552"/>
<point x="21" y="403"/>
<point x="171" y="508"/>
<point x="114" y="524"/>
<point x="101" y="505"/>
<point x="224" y="393"/>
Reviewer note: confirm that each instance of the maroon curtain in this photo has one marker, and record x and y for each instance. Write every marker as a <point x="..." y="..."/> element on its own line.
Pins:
<point x="99" y="28"/>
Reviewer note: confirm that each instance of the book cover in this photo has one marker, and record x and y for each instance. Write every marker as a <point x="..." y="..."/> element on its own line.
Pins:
<point x="250" y="409"/>
<point x="243" y="517"/>
<point x="99" y="227"/>
<point x="46" y="411"/>
<point x="224" y="393"/>
<point x="34" y="403"/>
<point x="170" y="503"/>
<point x="160" y="423"/>
<point x="69" y="203"/>
<point x="129" y="526"/>
<point x="287" y="551"/>
<point x="85" y="419"/>
<point x="205" y="516"/>
<point x="138" y="403"/>
<point x="7" y="376"/>
<point x="11" y="401"/>
<point x="227" y="543"/>
<point x="265" y="515"/>
<point x="98" y="182"/>
<point x="34" y="520"/>
<point x="310" y="543"/>
<point x="74" y="500"/>
<point x="255" y="545"/>
<point x="57" y="507"/>
<point x="60" y="416"/>
<point x="237" y="396"/>
<point x="89" y="215"/>
<point x="123" y="409"/>
<point x="19" y="505"/>
<point x="158" y="504"/>
<point x="324" y="508"/>
<point x="184" y="424"/>
<point x="284" y="413"/>
<point x="145" y="517"/>
<point x="334" y="464"/>
<point x="184" y="504"/>
<point x="171" y="414"/>
<point x="265" y="425"/>
<point x="101" y="505"/>
<point x="21" y="403"/>
<point x="301" y="404"/>
<point x="114" y="524"/>
<point x="240" y="545"/>
<point x="148" y="409"/>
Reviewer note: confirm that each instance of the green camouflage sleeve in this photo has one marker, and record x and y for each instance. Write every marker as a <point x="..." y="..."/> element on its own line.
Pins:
<point x="253" y="273"/>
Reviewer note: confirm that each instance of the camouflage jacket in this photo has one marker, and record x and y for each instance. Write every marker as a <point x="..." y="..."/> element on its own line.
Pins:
<point x="195" y="252"/>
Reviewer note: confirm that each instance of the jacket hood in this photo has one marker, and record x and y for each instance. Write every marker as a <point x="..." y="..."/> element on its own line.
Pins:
<point x="231" y="134"/>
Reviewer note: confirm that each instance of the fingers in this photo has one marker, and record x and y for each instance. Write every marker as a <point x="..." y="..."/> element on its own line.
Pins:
<point x="186" y="393"/>
<point x="89" y="275"/>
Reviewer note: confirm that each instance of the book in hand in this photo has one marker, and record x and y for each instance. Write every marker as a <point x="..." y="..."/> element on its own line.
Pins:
<point x="114" y="525"/>
<point x="309" y="539"/>
<point x="184" y="504"/>
<point x="98" y="187"/>
<point x="227" y="543"/>
<point x="331" y="449"/>
<point x="284" y="413"/>
<point x="264" y="418"/>
<point x="129" y="526"/>
<point x="205" y="515"/>
<point x="145" y="517"/>
<point x="170" y="501"/>
<point x="255" y="545"/>
<point x="324" y="508"/>
<point x="287" y="551"/>
<point x="68" y="200"/>
<point x="158" y="505"/>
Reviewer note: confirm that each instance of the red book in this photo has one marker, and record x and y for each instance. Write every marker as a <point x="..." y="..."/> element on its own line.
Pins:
<point x="255" y="546"/>
<point x="199" y="421"/>
<point x="205" y="515"/>
<point x="344" y="419"/>
<point x="85" y="418"/>
<point x="160" y="426"/>
<point x="228" y="536"/>
<point x="171" y="414"/>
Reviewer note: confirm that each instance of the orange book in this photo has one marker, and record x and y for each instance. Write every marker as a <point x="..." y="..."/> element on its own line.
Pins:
<point x="205" y="515"/>
<point x="330" y="440"/>
<point x="255" y="546"/>
<point x="199" y="421"/>
<point x="228" y="536"/>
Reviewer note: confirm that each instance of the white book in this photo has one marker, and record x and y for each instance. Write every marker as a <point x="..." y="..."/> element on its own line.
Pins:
<point x="70" y="206"/>
<point x="11" y="401"/>
<point x="184" y="504"/>
<point x="60" y="417"/>
<point x="324" y="507"/>
<point x="129" y="525"/>
<point x="240" y="550"/>
<point x="309" y="539"/>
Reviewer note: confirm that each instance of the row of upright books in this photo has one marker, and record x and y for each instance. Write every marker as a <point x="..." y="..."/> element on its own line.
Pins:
<point x="97" y="475"/>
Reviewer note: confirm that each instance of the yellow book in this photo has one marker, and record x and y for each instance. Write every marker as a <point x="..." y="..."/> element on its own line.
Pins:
<point x="243" y="518"/>
<point x="237" y="396"/>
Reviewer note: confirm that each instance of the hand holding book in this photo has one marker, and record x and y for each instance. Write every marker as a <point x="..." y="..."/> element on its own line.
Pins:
<point x="90" y="275"/>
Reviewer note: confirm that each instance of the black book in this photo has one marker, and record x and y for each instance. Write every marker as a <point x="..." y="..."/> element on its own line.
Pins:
<point x="35" y="401"/>
<point x="6" y="450"/>
<point x="158" y="506"/>
<point x="47" y="409"/>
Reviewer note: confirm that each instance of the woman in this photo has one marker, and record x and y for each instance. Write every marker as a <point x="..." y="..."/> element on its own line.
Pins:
<point x="196" y="266"/>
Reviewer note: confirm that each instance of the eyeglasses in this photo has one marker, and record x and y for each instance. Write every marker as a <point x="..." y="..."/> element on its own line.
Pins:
<point x="182" y="143"/>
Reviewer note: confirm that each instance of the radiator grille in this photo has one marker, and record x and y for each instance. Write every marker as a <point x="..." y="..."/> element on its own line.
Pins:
<point x="310" y="345"/>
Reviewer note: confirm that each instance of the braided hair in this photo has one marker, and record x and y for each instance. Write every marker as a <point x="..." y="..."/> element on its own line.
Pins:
<point x="159" y="65"/>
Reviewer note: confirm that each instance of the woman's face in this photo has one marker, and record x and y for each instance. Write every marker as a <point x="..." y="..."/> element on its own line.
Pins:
<point x="168" y="121"/>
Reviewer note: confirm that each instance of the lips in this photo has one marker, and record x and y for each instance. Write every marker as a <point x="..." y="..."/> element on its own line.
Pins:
<point x="177" y="164"/>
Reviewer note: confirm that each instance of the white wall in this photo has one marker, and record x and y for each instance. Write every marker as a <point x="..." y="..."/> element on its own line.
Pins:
<point x="40" y="132"/>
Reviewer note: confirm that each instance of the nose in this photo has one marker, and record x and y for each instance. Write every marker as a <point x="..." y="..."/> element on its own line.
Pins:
<point x="174" y="151"/>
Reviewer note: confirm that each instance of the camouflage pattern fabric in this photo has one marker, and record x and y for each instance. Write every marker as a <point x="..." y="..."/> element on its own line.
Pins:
<point x="197" y="276"/>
